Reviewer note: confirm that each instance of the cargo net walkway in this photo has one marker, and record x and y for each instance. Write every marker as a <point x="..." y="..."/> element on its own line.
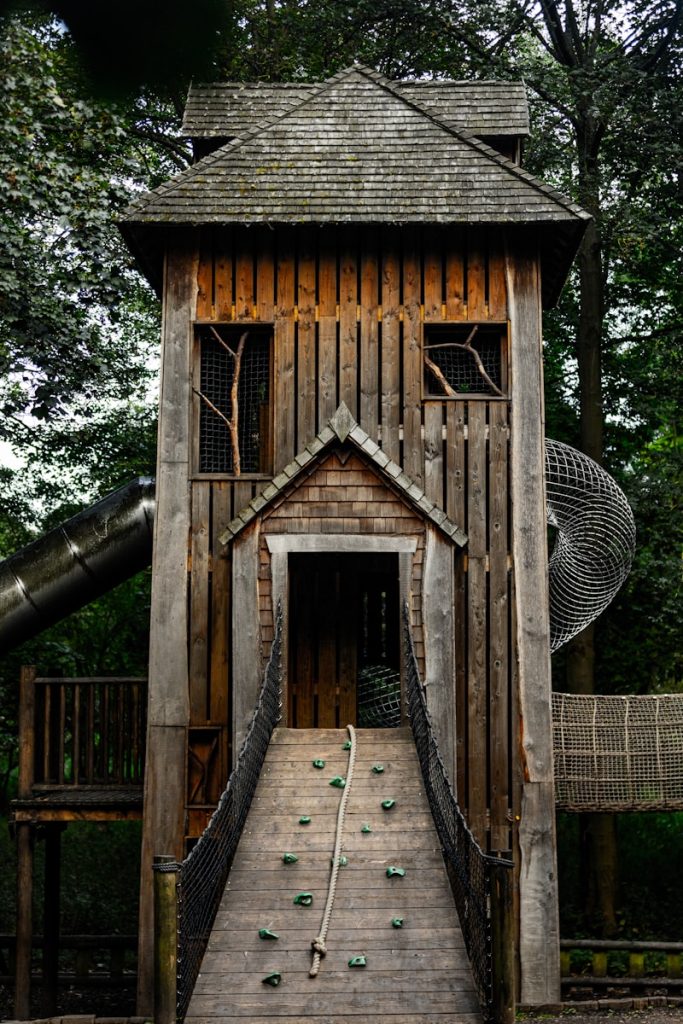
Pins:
<point x="618" y="753"/>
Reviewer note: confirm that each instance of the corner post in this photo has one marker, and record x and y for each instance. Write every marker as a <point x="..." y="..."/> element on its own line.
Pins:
<point x="24" y="834"/>
<point x="165" y="939"/>
<point x="502" y="944"/>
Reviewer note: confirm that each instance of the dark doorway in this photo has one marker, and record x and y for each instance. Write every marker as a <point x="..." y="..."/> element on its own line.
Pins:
<point x="343" y="641"/>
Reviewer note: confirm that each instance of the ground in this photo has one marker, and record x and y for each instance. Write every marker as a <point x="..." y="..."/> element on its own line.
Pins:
<point x="650" y="1015"/>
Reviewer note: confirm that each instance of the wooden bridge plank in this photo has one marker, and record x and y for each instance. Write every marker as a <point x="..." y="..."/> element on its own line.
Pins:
<point x="446" y="938"/>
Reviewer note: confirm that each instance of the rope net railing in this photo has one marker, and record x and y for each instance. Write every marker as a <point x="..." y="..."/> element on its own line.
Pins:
<point x="618" y="753"/>
<point x="470" y="870"/>
<point x="594" y="542"/>
<point x="203" y="873"/>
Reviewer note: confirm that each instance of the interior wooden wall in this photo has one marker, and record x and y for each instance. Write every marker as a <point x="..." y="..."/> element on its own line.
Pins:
<point x="348" y="307"/>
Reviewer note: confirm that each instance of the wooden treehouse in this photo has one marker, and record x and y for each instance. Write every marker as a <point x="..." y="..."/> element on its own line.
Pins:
<point x="351" y="424"/>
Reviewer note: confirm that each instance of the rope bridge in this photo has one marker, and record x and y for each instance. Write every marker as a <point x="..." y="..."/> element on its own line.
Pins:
<point x="618" y="753"/>
<point x="476" y="878"/>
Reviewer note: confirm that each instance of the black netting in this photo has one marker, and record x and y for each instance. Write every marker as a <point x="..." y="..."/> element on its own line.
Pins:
<point x="469" y="868"/>
<point x="203" y="873"/>
<point x="459" y="366"/>
<point x="253" y="399"/>
<point x="379" y="697"/>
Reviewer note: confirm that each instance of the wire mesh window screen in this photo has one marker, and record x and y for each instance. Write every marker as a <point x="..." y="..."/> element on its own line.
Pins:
<point x="464" y="359"/>
<point x="220" y="362"/>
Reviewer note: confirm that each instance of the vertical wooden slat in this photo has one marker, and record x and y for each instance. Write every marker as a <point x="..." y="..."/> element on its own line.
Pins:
<point x="199" y="603"/>
<point x="412" y="358"/>
<point x="476" y="617"/>
<point x="90" y="747"/>
<point x="62" y="734"/>
<point x="27" y="696"/>
<point x="242" y="494"/>
<point x="220" y="607"/>
<point x="498" y="624"/>
<point x="328" y="611"/>
<point x="224" y="287"/>
<point x="106" y="732"/>
<point x="461" y="659"/>
<point x="47" y="730"/>
<point x="432" y="271"/>
<point x="476" y="276"/>
<point x="348" y="649"/>
<point x="433" y="452"/>
<point x="76" y="734"/>
<point x="265" y="274"/>
<point x="327" y="326"/>
<point x="205" y="276"/>
<point x="22" y="989"/>
<point x="455" y="462"/>
<point x="306" y="377"/>
<point x="285" y="382"/>
<point x="348" y="323"/>
<point x="391" y="365"/>
<point x="369" y="331"/>
<point x="244" y="275"/>
<point x="120" y="728"/>
<point x="455" y="275"/>
<point x="497" y="288"/>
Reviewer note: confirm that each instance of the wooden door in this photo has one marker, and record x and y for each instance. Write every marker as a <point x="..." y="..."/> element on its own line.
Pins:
<point x="343" y="612"/>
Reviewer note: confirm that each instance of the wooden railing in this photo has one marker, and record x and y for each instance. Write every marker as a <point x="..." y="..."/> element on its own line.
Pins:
<point x="607" y="962"/>
<point x="81" y="732"/>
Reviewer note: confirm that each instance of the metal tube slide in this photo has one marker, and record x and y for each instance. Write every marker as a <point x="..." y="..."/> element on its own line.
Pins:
<point x="76" y="562"/>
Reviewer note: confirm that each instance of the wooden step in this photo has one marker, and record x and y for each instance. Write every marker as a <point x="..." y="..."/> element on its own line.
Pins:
<point x="414" y="974"/>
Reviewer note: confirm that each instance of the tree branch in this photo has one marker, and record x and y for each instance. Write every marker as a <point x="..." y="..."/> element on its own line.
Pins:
<point x="464" y="346"/>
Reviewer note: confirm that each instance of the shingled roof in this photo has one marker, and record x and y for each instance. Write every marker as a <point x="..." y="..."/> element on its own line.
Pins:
<point x="357" y="150"/>
<point x="226" y="109"/>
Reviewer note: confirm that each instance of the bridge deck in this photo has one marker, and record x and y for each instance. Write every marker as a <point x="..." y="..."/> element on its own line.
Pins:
<point x="418" y="973"/>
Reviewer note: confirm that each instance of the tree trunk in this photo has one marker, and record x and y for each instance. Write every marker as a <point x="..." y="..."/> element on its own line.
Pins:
<point x="598" y="855"/>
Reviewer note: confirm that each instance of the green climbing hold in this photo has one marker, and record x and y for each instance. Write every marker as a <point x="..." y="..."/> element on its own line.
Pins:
<point x="397" y="922"/>
<point x="273" y="979"/>
<point x="289" y="858"/>
<point x="265" y="933"/>
<point x="343" y="861"/>
<point x="388" y="804"/>
<point x="304" y="820"/>
<point x="393" y="872"/>
<point x="303" y="899"/>
<point x="378" y="769"/>
<point x="347" y="745"/>
<point x="357" y="961"/>
<point x="318" y="763"/>
<point x="365" y="829"/>
<point x="338" y="781"/>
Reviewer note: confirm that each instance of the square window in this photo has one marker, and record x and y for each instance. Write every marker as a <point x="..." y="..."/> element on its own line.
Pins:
<point x="464" y="359"/>
<point x="234" y="391"/>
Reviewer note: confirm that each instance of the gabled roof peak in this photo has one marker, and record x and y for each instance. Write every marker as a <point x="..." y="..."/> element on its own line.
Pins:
<point x="343" y="429"/>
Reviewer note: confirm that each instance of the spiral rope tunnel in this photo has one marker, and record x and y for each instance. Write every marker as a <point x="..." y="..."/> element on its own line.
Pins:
<point x="594" y="542"/>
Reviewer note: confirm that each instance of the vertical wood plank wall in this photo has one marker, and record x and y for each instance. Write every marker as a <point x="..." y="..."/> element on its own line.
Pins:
<point x="347" y="307"/>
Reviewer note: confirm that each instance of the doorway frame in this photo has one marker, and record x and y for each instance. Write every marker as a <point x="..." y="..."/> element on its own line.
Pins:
<point x="281" y="546"/>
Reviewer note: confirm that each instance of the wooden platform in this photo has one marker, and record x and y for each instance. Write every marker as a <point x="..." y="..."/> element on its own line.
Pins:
<point x="415" y="974"/>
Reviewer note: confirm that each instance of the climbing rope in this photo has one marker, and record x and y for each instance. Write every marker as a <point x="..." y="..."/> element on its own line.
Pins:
<point x="318" y="945"/>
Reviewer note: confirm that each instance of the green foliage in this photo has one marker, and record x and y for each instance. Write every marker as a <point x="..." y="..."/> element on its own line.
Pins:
<point x="649" y="899"/>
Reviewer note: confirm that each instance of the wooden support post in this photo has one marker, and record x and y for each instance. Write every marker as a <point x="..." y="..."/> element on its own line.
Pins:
<point x="51" y="919"/>
<point x="27" y="699"/>
<point x="22" y="991"/>
<point x="503" y="945"/>
<point x="165" y="939"/>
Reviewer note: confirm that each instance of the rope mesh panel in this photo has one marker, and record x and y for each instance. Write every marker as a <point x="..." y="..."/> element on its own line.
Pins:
<point x="594" y="543"/>
<point x="379" y="697"/>
<point x="203" y="873"/>
<point x="458" y="366"/>
<point x="253" y="393"/>
<point x="618" y="753"/>
<point x="469" y="868"/>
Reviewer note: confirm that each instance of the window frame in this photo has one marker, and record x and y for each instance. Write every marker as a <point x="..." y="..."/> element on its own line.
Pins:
<point x="237" y="327"/>
<point x="438" y="326"/>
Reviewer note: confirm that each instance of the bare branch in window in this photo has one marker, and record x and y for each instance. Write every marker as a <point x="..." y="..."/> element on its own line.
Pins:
<point x="464" y="346"/>
<point x="231" y="422"/>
